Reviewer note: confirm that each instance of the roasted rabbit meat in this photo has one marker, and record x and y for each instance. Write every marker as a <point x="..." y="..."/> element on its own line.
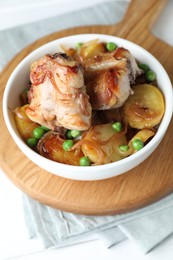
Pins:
<point x="57" y="96"/>
<point x="133" y="69"/>
<point x="109" y="78"/>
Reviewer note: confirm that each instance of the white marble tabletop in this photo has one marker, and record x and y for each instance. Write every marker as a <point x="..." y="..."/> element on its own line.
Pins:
<point x="14" y="242"/>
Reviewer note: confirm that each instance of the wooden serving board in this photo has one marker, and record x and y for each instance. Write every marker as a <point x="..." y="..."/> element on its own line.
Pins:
<point x="147" y="183"/>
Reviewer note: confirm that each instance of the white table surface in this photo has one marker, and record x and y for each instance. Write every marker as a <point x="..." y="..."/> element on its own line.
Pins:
<point x="14" y="242"/>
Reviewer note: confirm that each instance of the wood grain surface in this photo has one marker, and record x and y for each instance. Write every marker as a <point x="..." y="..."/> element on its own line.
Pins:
<point x="147" y="183"/>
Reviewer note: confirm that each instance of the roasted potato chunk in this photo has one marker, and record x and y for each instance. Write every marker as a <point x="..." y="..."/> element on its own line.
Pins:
<point x="90" y="49"/>
<point x="101" y="142"/>
<point x="145" y="108"/>
<point x="50" y="146"/>
<point x="24" y="125"/>
<point x="144" y="135"/>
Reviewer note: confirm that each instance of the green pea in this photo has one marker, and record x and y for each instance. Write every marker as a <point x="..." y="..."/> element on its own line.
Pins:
<point x="78" y="45"/>
<point x="124" y="148"/>
<point x="31" y="142"/>
<point x="68" y="134"/>
<point x="117" y="126"/>
<point x="46" y="129"/>
<point x="137" y="144"/>
<point x="85" y="161"/>
<point x="38" y="132"/>
<point x="67" y="145"/>
<point x="151" y="75"/>
<point x="26" y="91"/>
<point x="143" y="67"/>
<point x="75" y="133"/>
<point x="24" y="96"/>
<point x="111" y="46"/>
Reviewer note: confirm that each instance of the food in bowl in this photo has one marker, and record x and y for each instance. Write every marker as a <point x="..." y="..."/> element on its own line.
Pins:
<point x="90" y="105"/>
<point x="19" y="79"/>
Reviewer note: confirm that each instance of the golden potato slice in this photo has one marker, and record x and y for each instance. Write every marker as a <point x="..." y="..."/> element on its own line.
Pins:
<point x="91" y="49"/>
<point x="50" y="146"/>
<point x="23" y="123"/>
<point x="145" y="108"/>
<point x="101" y="142"/>
<point x="144" y="135"/>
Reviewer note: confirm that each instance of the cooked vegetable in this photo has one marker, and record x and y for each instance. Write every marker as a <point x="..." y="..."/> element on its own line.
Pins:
<point x="45" y="128"/>
<point x="68" y="134"/>
<point x="143" y="135"/>
<point x="151" y="75"/>
<point x="111" y="46"/>
<point x="78" y="45"/>
<point x="75" y="133"/>
<point x="67" y="145"/>
<point x="23" y="123"/>
<point x="143" y="67"/>
<point x="145" y="108"/>
<point x="91" y="49"/>
<point x="117" y="126"/>
<point x="31" y="142"/>
<point x="101" y="142"/>
<point x="85" y="161"/>
<point x="38" y="132"/>
<point x="137" y="144"/>
<point x="51" y="147"/>
<point x="124" y="148"/>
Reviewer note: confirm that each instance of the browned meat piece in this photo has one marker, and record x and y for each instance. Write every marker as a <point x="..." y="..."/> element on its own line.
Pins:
<point x="58" y="94"/>
<point x="134" y="70"/>
<point x="108" y="89"/>
<point x="108" y="78"/>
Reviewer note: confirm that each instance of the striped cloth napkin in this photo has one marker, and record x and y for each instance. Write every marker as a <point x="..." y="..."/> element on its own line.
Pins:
<point x="146" y="227"/>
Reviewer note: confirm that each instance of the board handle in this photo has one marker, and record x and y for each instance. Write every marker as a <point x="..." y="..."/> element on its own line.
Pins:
<point x="139" y="19"/>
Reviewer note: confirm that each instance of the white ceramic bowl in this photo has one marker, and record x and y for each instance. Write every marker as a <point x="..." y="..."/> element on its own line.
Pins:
<point x="19" y="78"/>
